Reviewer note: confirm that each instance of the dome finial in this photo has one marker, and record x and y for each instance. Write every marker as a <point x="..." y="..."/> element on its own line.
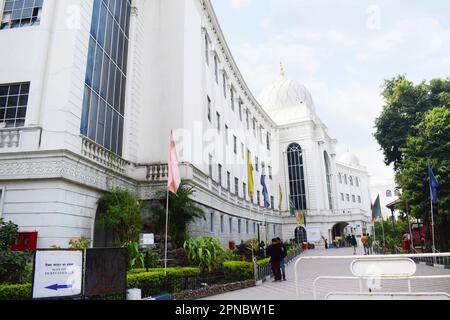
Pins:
<point x="282" y="73"/>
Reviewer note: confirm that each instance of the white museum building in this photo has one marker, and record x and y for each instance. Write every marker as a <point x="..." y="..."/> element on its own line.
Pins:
<point x="90" y="91"/>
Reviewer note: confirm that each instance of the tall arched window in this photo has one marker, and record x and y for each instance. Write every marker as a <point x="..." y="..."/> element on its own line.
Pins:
<point x="328" y="173"/>
<point x="388" y="194"/>
<point x="296" y="176"/>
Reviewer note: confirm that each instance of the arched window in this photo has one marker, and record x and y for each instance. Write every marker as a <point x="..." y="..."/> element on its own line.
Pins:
<point x="397" y="193"/>
<point x="388" y="194"/>
<point x="328" y="173"/>
<point x="296" y="177"/>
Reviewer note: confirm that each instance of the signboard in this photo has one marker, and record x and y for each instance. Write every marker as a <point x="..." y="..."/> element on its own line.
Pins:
<point x="313" y="234"/>
<point x="57" y="274"/>
<point x="106" y="271"/>
<point x="147" y="239"/>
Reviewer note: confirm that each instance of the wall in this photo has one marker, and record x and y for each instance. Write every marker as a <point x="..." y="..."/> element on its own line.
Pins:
<point x="57" y="209"/>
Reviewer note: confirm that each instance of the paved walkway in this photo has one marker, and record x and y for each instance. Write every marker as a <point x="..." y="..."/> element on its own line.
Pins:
<point x="312" y="269"/>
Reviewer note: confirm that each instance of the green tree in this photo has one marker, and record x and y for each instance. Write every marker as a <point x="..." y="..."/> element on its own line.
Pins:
<point x="182" y="211"/>
<point x="431" y="144"/>
<point x="120" y="210"/>
<point x="405" y="107"/>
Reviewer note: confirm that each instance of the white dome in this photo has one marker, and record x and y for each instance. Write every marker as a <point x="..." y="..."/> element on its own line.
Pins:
<point x="350" y="158"/>
<point x="285" y="94"/>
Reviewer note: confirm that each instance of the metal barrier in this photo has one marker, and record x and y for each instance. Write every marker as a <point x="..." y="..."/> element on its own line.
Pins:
<point x="265" y="271"/>
<point x="377" y="268"/>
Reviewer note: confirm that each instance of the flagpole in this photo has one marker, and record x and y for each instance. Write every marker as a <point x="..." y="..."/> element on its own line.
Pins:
<point x="167" y="227"/>
<point x="409" y="224"/>
<point x="432" y="228"/>
<point x="374" y="233"/>
<point x="430" y="173"/>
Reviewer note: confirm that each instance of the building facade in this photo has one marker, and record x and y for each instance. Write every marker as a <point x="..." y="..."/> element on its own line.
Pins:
<point x="90" y="91"/>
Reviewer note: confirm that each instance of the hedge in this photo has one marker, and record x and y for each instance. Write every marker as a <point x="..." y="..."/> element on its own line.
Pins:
<point x="238" y="270"/>
<point x="176" y="271"/>
<point x="151" y="283"/>
<point x="15" y="292"/>
<point x="156" y="282"/>
<point x="263" y="262"/>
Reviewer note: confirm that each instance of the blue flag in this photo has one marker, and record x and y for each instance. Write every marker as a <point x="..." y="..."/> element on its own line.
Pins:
<point x="265" y="192"/>
<point x="433" y="185"/>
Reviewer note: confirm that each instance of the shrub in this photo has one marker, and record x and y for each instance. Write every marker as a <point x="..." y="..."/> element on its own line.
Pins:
<point x="135" y="256"/>
<point x="263" y="262"/>
<point x="12" y="264"/>
<point x="120" y="210"/>
<point x="237" y="270"/>
<point x="80" y="243"/>
<point x="205" y="252"/>
<point x="155" y="282"/>
<point x="8" y="234"/>
<point x="15" y="292"/>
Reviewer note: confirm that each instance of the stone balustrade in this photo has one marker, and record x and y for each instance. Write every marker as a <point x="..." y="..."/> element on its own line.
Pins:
<point x="9" y="138"/>
<point x="157" y="172"/>
<point x="103" y="156"/>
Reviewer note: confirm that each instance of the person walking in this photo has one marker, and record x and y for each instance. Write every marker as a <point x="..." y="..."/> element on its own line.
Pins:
<point x="370" y="244"/>
<point x="275" y="253"/>
<point x="347" y="241"/>
<point x="354" y="243"/>
<point x="283" y="258"/>
<point x="365" y="242"/>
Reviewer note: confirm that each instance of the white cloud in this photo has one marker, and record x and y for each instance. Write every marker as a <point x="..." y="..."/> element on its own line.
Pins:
<point x="409" y="37"/>
<point x="238" y="4"/>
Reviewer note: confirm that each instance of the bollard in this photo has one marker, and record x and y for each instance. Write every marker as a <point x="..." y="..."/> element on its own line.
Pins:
<point x="134" y="295"/>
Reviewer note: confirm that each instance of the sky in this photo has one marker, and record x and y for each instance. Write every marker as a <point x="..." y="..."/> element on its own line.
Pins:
<point x="341" y="50"/>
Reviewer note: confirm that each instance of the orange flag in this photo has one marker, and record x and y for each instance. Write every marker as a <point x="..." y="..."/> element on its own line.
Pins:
<point x="174" y="173"/>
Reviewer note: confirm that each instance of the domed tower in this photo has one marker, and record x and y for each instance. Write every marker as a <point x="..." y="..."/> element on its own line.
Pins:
<point x="287" y="101"/>
<point x="350" y="158"/>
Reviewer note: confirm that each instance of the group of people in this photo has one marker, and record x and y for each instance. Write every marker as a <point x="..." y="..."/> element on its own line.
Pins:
<point x="277" y="252"/>
<point x="351" y="241"/>
<point x="367" y="244"/>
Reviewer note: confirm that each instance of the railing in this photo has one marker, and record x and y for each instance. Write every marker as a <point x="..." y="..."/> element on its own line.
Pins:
<point x="431" y="261"/>
<point x="368" y="277"/>
<point x="103" y="156"/>
<point x="9" y="138"/>
<point x="158" y="172"/>
<point x="265" y="271"/>
<point x="439" y="260"/>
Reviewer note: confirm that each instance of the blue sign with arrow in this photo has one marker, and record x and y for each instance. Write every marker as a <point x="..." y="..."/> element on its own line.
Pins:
<point x="57" y="287"/>
<point x="57" y="274"/>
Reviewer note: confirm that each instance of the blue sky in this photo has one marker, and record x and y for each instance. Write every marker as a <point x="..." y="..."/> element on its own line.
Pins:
<point x="341" y="50"/>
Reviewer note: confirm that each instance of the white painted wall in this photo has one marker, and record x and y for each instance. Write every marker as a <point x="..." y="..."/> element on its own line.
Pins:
<point x="58" y="210"/>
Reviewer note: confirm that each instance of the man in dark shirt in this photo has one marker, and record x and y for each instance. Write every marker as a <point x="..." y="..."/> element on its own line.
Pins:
<point x="283" y="259"/>
<point x="275" y="252"/>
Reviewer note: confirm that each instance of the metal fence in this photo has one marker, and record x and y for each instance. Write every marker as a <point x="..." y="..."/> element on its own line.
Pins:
<point x="375" y="277"/>
<point x="429" y="260"/>
<point x="265" y="271"/>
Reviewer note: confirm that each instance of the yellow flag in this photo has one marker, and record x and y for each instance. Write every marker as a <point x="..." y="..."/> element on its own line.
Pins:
<point x="251" y="184"/>
<point x="280" y="191"/>
<point x="301" y="218"/>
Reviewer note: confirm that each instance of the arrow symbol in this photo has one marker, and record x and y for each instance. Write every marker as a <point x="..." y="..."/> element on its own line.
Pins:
<point x="57" y="287"/>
